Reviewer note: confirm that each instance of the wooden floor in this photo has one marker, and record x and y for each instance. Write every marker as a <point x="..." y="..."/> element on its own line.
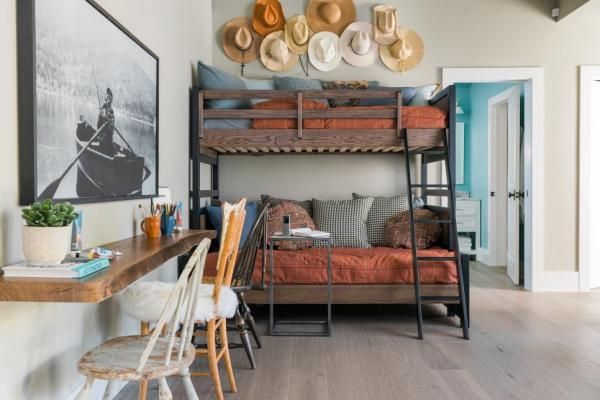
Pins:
<point x="523" y="346"/>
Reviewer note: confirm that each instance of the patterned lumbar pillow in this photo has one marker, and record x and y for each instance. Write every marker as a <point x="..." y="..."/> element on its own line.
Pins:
<point x="345" y="220"/>
<point x="397" y="229"/>
<point x="383" y="208"/>
<point x="299" y="218"/>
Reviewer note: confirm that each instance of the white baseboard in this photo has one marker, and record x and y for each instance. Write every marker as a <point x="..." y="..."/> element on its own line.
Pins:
<point x="98" y="390"/>
<point x="560" y="281"/>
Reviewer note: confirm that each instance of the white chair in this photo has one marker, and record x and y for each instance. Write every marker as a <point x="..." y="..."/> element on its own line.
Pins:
<point x="147" y="357"/>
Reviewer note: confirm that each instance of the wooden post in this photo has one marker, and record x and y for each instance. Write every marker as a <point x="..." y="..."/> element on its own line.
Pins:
<point x="399" y="114"/>
<point x="200" y="114"/>
<point x="299" y="127"/>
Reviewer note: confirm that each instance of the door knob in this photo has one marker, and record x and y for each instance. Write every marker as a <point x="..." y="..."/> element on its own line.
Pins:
<point x="515" y="194"/>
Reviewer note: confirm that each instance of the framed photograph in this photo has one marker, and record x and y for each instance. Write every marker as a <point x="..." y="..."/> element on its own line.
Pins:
<point x="88" y="105"/>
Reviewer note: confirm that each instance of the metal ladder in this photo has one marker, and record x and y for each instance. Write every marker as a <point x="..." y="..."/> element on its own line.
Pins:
<point x="442" y="190"/>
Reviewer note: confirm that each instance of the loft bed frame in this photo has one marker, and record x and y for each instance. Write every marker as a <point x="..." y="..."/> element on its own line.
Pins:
<point x="428" y="145"/>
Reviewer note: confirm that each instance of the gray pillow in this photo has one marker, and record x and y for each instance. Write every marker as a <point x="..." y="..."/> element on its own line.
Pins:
<point x="227" y="124"/>
<point x="293" y="83"/>
<point x="408" y="93"/>
<point x="345" y="220"/>
<point x="381" y="211"/>
<point x="424" y="94"/>
<point x="211" y="78"/>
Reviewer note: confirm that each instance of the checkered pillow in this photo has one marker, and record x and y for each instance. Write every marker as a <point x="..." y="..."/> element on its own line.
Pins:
<point x="345" y="220"/>
<point x="383" y="208"/>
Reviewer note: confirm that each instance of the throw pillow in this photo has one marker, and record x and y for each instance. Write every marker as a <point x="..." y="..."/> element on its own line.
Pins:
<point x="299" y="218"/>
<point x="293" y="83"/>
<point x="273" y="201"/>
<point x="408" y="93"/>
<point x="259" y="84"/>
<point x="215" y="215"/>
<point x="383" y="208"/>
<point x="345" y="220"/>
<point x="344" y="85"/>
<point x="211" y="78"/>
<point x="397" y="229"/>
<point x="424" y="94"/>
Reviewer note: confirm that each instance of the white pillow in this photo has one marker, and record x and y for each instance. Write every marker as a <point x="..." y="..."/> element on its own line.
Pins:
<point x="424" y="94"/>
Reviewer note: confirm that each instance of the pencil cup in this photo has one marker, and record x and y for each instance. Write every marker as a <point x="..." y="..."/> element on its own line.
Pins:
<point x="151" y="227"/>
<point x="167" y="225"/>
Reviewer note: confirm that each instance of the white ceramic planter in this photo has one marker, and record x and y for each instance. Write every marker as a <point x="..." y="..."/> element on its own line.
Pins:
<point x="46" y="245"/>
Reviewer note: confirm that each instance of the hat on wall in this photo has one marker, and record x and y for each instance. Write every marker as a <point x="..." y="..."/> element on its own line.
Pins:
<point x="297" y="34"/>
<point x="240" y="43"/>
<point x="268" y="17"/>
<point x="330" y="15"/>
<point x="324" y="51"/>
<point x="406" y="52"/>
<point x="274" y="53"/>
<point x="357" y="44"/>
<point x="385" y="24"/>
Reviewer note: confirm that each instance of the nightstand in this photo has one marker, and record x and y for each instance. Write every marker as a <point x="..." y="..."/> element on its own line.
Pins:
<point x="468" y="221"/>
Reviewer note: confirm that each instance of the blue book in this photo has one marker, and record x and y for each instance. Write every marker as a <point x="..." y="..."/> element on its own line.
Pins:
<point x="69" y="269"/>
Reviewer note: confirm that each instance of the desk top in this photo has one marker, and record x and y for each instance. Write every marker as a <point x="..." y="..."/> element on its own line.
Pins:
<point x="140" y="257"/>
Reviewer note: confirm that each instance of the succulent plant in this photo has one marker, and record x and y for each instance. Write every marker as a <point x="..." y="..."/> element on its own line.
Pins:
<point x="49" y="214"/>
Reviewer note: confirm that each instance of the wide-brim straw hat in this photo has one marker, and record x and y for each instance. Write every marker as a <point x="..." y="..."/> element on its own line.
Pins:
<point x="330" y="15"/>
<point x="298" y="34"/>
<point x="404" y="54"/>
<point x="240" y="43"/>
<point x="384" y="24"/>
<point x="352" y="40"/>
<point x="324" y="51"/>
<point x="268" y="17"/>
<point x="275" y="54"/>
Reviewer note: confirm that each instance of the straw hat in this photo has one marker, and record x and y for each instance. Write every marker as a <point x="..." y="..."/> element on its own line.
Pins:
<point x="405" y="53"/>
<point x="330" y="15"/>
<point x="357" y="44"/>
<point x="385" y="24"/>
<point x="324" y="51"/>
<point x="240" y="43"/>
<point x="274" y="53"/>
<point x="297" y="34"/>
<point x="268" y="17"/>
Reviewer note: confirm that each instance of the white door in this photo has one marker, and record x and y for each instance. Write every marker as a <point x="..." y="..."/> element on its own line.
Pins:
<point x="514" y="184"/>
<point x="594" y="198"/>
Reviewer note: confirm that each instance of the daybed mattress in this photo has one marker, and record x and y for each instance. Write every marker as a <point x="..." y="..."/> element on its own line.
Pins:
<point x="378" y="265"/>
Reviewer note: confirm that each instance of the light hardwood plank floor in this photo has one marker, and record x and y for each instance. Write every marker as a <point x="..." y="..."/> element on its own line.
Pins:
<point x="523" y="346"/>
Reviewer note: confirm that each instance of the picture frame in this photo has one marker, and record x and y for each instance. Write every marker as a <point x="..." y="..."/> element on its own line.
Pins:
<point x="88" y="105"/>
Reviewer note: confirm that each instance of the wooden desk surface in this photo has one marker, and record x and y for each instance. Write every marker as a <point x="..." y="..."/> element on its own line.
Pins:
<point x="140" y="256"/>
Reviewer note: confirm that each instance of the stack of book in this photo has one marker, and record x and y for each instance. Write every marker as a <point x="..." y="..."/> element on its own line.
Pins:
<point x="66" y="269"/>
<point x="465" y="243"/>
<point x="306" y="232"/>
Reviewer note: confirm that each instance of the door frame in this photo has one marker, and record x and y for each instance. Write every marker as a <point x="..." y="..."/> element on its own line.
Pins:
<point x="533" y="143"/>
<point x="587" y="74"/>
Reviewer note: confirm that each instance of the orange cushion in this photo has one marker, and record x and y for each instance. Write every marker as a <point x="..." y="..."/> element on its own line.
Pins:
<point x="421" y="117"/>
<point x="291" y="123"/>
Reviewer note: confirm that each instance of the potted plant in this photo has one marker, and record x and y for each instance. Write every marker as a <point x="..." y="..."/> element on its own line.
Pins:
<point x="47" y="233"/>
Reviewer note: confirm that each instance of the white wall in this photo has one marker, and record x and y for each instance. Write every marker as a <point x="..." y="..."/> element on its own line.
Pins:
<point x="482" y="33"/>
<point x="41" y="343"/>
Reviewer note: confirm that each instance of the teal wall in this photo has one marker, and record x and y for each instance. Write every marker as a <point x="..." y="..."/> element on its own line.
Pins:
<point x="473" y="98"/>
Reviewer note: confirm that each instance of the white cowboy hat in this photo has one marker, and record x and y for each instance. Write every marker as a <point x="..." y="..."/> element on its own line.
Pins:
<point x="357" y="44"/>
<point x="297" y="34"/>
<point x="274" y="53"/>
<point x="385" y="24"/>
<point x="324" y="51"/>
<point x="406" y="52"/>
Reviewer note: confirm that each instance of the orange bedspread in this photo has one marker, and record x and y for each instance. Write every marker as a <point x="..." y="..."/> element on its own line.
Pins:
<point x="378" y="265"/>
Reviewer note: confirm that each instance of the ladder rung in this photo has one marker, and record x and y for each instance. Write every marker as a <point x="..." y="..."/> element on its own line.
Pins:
<point x="431" y="258"/>
<point x="434" y="221"/>
<point x="440" y="299"/>
<point x="439" y="192"/>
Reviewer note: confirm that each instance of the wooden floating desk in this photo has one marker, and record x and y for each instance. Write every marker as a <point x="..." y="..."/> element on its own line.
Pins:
<point x="140" y="256"/>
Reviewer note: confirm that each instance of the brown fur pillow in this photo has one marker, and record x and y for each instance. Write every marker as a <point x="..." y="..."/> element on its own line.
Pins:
<point x="299" y="219"/>
<point x="397" y="229"/>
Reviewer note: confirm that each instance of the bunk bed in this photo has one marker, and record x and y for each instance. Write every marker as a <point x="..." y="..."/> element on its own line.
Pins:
<point x="425" y="134"/>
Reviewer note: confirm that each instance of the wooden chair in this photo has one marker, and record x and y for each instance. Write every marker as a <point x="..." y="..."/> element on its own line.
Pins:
<point x="233" y="222"/>
<point x="147" y="357"/>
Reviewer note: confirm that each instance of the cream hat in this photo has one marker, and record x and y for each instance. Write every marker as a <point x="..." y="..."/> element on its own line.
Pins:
<point x="297" y="34"/>
<point x="385" y="24"/>
<point x="357" y="44"/>
<point x="240" y="43"/>
<point x="405" y="54"/>
<point x="330" y="15"/>
<point x="324" y="51"/>
<point x="274" y="53"/>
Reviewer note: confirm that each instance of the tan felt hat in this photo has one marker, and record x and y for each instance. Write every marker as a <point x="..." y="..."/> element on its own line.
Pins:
<point x="385" y="24"/>
<point x="240" y="43"/>
<point x="274" y="53"/>
<point x="297" y="34"/>
<point x="330" y="15"/>
<point x="268" y="17"/>
<point x="357" y="44"/>
<point x="324" y="51"/>
<point x="406" y="52"/>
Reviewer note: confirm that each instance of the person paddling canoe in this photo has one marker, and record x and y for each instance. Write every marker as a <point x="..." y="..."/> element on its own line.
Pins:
<point x="106" y="117"/>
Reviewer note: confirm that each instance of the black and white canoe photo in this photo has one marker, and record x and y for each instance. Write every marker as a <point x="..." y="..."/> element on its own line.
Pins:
<point x="96" y="106"/>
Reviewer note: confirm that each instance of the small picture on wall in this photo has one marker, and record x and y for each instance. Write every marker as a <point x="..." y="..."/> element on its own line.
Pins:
<point x="88" y="94"/>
